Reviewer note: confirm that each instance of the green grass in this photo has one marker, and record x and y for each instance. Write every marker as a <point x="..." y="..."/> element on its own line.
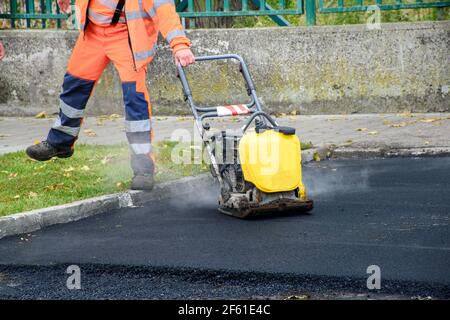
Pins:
<point x="91" y="171"/>
<point x="305" y="145"/>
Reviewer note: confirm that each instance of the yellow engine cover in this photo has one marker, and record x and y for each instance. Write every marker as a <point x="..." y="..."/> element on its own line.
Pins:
<point x="271" y="161"/>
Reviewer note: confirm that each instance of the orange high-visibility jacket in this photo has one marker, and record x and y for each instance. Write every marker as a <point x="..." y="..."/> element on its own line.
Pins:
<point x="145" y="18"/>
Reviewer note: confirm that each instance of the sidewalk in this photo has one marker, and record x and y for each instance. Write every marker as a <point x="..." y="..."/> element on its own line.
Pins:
<point x="360" y="132"/>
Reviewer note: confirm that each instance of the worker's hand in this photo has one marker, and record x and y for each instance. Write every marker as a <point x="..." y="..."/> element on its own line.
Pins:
<point x="64" y="6"/>
<point x="2" y="51"/>
<point x="184" y="57"/>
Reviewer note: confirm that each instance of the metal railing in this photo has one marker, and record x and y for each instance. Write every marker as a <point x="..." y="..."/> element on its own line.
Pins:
<point x="47" y="10"/>
<point x="274" y="9"/>
<point x="32" y="10"/>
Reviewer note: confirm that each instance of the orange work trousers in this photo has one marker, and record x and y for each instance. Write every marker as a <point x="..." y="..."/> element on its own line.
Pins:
<point x="91" y="55"/>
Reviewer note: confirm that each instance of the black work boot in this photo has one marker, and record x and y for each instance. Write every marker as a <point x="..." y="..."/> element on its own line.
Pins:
<point x="142" y="182"/>
<point x="44" y="151"/>
<point x="143" y="168"/>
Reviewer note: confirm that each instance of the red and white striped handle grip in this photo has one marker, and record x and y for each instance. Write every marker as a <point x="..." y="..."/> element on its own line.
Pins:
<point x="232" y="110"/>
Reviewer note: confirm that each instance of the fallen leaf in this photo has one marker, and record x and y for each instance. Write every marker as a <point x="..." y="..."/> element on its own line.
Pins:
<point x="41" y="115"/>
<point x="429" y="120"/>
<point x="114" y="116"/>
<point x="316" y="156"/>
<point x="85" y="168"/>
<point x="406" y="114"/>
<point x="17" y="197"/>
<point x="361" y="129"/>
<point x="32" y="194"/>
<point x="398" y="125"/>
<point x="13" y="175"/>
<point x="294" y="113"/>
<point x="69" y="169"/>
<point x="119" y="184"/>
<point x="90" y="132"/>
<point x="36" y="142"/>
<point x="372" y="133"/>
<point x="105" y="160"/>
<point x="55" y="186"/>
<point x="4" y="135"/>
<point x="67" y="174"/>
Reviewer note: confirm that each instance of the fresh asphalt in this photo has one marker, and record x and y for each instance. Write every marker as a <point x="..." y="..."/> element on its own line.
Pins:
<point x="393" y="213"/>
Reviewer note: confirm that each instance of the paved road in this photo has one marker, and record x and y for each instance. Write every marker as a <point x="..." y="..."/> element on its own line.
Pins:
<point x="394" y="213"/>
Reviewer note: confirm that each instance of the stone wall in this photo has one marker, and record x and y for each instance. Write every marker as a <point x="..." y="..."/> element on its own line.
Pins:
<point x="332" y="69"/>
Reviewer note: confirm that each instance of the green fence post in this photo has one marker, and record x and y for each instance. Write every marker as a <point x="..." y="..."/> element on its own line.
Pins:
<point x="191" y="8"/>
<point x="29" y="5"/>
<point x="208" y="6"/>
<point x="440" y="14"/>
<point x="43" y="11"/>
<point x="244" y="5"/>
<point x="310" y="8"/>
<point x="13" y="8"/>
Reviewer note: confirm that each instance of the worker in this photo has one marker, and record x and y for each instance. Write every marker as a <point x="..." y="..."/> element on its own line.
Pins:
<point x="2" y="51"/>
<point x="125" y="33"/>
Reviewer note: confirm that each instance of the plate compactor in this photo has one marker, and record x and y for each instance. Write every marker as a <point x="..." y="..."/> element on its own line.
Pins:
<point x="258" y="167"/>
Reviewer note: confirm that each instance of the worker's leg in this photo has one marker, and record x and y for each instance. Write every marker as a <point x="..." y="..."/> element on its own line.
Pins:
<point x="138" y="124"/>
<point x="85" y="67"/>
<point x="136" y="100"/>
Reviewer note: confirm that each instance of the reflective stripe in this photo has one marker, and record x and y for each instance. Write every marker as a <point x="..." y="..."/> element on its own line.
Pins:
<point x="101" y="18"/>
<point x="142" y="55"/>
<point x="110" y="4"/>
<point x="133" y="15"/>
<point x="141" y="148"/>
<point x="159" y="3"/>
<point x="138" y="125"/>
<point x="175" y="33"/>
<point x="69" y="111"/>
<point x="71" y="131"/>
<point x="151" y="12"/>
<point x="145" y="14"/>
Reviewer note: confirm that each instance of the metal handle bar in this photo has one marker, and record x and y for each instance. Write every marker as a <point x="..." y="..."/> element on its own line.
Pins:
<point x="260" y="114"/>
<point x="243" y="68"/>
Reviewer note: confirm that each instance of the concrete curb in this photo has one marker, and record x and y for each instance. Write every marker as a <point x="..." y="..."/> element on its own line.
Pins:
<point x="368" y="153"/>
<point x="34" y="220"/>
<point x="334" y="152"/>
